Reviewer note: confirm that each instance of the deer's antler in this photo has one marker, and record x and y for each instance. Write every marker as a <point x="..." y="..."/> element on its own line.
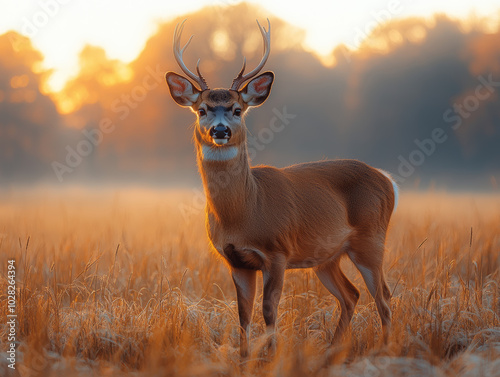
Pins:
<point x="178" y="51"/>
<point x="266" y="36"/>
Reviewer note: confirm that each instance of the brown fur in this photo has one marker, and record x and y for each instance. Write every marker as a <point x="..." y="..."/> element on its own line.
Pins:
<point x="219" y="96"/>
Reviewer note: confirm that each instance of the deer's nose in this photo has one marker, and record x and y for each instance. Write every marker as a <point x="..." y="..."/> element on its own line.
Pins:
<point x="220" y="132"/>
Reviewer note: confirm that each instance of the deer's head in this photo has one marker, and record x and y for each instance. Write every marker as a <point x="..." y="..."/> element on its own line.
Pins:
<point x="220" y="112"/>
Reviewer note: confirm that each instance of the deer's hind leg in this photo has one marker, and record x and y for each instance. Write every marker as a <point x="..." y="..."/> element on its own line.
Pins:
<point x="367" y="255"/>
<point x="339" y="285"/>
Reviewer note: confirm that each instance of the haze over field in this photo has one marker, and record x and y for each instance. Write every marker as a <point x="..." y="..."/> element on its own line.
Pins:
<point x="420" y="98"/>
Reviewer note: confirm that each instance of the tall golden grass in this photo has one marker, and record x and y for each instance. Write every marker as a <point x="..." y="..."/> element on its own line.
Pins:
<point x="122" y="283"/>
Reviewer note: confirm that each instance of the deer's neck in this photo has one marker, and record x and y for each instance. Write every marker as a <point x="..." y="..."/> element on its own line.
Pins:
<point x="229" y="184"/>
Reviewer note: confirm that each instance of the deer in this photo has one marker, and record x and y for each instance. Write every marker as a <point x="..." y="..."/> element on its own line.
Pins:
<point x="268" y="219"/>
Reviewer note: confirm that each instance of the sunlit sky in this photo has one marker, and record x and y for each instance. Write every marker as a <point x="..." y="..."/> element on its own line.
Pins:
<point x="61" y="28"/>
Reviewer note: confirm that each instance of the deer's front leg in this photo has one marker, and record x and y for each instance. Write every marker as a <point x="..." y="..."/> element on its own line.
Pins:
<point x="273" y="277"/>
<point x="244" y="281"/>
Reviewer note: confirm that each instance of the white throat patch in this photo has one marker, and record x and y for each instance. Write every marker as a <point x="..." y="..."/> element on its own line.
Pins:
<point x="218" y="154"/>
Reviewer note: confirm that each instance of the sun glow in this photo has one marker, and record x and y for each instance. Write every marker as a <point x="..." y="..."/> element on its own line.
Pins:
<point x="19" y="81"/>
<point x="326" y="25"/>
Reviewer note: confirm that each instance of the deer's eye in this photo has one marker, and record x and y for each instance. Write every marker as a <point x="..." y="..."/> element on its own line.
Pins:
<point x="237" y="112"/>
<point x="202" y="112"/>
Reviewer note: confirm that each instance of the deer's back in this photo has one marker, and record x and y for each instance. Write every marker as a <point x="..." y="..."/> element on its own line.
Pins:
<point x="325" y="189"/>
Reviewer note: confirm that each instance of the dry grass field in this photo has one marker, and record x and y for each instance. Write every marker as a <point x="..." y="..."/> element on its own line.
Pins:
<point x="123" y="283"/>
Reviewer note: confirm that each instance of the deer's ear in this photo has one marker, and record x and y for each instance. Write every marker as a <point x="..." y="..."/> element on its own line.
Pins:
<point x="257" y="90"/>
<point x="181" y="89"/>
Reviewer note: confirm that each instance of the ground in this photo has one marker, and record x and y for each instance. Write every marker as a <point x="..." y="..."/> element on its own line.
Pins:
<point x="122" y="282"/>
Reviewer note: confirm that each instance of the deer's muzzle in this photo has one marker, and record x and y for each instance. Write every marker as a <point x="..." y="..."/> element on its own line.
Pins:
<point x="220" y="134"/>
